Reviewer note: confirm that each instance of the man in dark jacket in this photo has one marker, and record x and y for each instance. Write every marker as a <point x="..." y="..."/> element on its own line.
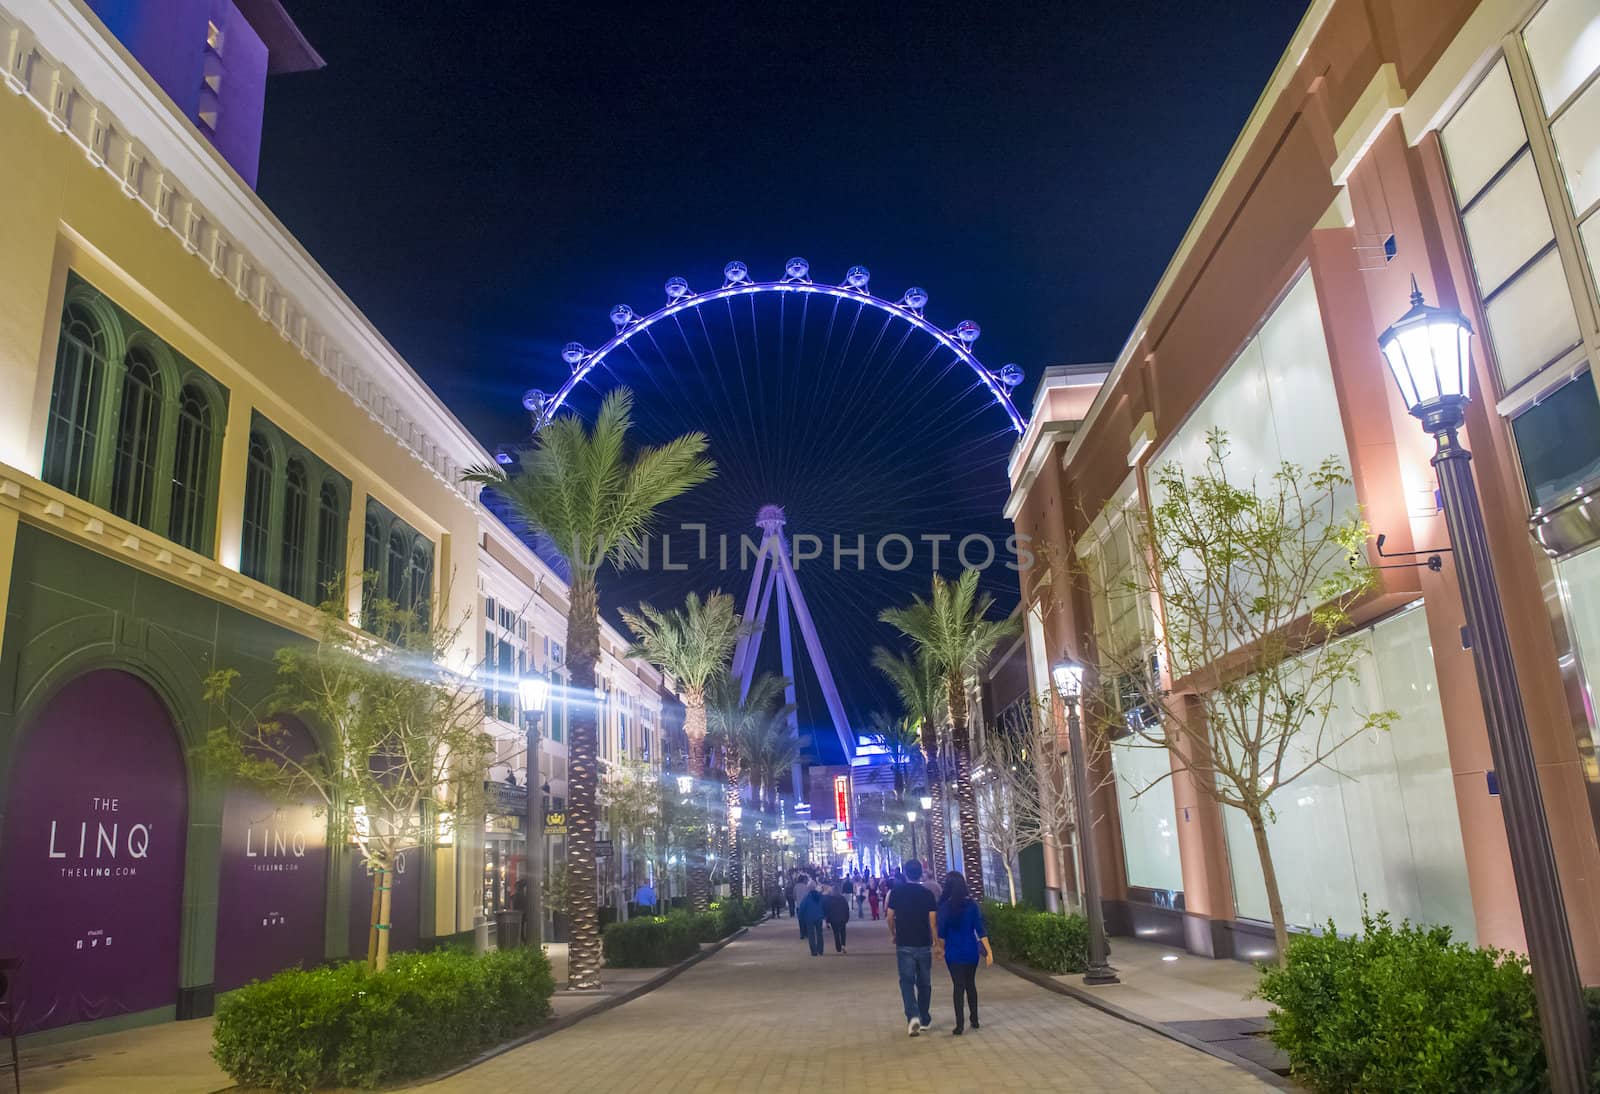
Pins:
<point x="811" y="915"/>
<point x="836" y="907"/>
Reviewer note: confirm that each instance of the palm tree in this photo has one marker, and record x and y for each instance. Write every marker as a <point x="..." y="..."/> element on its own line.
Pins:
<point x="953" y="628"/>
<point x="771" y="755"/>
<point x="736" y="726"/>
<point x="900" y="739"/>
<point x="595" y="501"/>
<point x="695" y="645"/>
<point x="920" y="685"/>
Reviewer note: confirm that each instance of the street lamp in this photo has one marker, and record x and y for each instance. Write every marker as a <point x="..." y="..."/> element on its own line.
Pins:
<point x="1068" y="678"/>
<point x="1429" y="353"/>
<point x="911" y="819"/>
<point x="534" y="692"/>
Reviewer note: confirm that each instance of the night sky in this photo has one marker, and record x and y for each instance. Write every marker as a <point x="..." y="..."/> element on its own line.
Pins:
<point x="487" y="185"/>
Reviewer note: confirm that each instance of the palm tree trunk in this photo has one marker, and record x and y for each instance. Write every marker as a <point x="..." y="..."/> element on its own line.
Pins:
<point x="583" y="774"/>
<point x="735" y="842"/>
<point x="966" y="801"/>
<point x="694" y="727"/>
<point x="936" y="856"/>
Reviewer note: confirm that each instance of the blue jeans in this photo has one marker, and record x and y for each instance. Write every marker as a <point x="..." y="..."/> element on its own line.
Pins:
<point x="916" y="980"/>
<point x="814" y="937"/>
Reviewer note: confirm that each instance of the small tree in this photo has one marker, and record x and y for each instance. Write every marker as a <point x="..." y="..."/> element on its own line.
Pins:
<point x="630" y="799"/>
<point x="1018" y="805"/>
<point x="1244" y="673"/>
<point x="924" y="701"/>
<point x="403" y="745"/>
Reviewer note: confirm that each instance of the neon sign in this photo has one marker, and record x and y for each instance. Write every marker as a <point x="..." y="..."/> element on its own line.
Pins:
<point x="841" y="800"/>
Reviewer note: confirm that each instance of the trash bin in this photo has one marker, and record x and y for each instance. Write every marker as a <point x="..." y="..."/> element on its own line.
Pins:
<point x="507" y="930"/>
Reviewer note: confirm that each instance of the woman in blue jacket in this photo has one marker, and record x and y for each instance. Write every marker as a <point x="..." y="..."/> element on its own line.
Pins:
<point x="964" y="940"/>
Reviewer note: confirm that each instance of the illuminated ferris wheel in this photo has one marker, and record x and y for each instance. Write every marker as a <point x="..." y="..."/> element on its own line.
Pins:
<point x="797" y="281"/>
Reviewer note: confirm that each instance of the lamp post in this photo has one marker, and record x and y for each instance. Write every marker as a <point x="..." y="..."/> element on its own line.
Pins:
<point x="1068" y="678"/>
<point x="534" y="692"/>
<point x="911" y="819"/>
<point x="926" y="799"/>
<point x="1429" y="353"/>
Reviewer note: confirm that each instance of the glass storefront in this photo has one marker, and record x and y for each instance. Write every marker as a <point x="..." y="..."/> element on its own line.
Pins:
<point x="1379" y="819"/>
<point x="1149" y="821"/>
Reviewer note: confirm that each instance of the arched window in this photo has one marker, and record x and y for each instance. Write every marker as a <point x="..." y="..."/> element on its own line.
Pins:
<point x="191" y="470"/>
<point x="330" y="542"/>
<point x="372" y="569"/>
<point x="395" y="575"/>
<point x="292" y="557"/>
<point x="133" y="478"/>
<point x="419" y="581"/>
<point x="74" y="425"/>
<point x="254" y="552"/>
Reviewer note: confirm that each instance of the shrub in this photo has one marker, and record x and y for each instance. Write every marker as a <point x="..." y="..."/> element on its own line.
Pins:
<point x="342" y="1025"/>
<point x="1041" y="940"/>
<point x="1404" y="1008"/>
<point x="650" y="941"/>
<point x="733" y="914"/>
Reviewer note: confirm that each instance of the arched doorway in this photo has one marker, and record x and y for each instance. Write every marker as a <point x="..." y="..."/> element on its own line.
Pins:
<point x="272" y="893"/>
<point x="92" y="854"/>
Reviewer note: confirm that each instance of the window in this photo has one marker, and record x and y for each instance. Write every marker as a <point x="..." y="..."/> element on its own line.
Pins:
<point x="1149" y="820"/>
<point x="292" y="578"/>
<point x="399" y="560"/>
<point x="398" y="555"/>
<point x="133" y="479"/>
<point x="330" y="542"/>
<point x="257" y="509"/>
<point x="1379" y="817"/>
<point x="1558" y="442"/>
<point x="75" y="427"/>
<point x="191" y="471"/>
<point x="128" y="417"/>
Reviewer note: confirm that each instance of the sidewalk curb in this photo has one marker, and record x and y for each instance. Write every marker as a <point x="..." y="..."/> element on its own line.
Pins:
<point x="559" y="1024"/>
<point x="1050" y="983"/>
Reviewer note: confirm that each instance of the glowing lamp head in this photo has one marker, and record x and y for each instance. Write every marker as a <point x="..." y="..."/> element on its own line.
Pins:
<point x="685" y="783"/>
<point x="736" y="272"/>
<point x="534" y="692"/>
<point x="573" y="353"/>
<point x="927" y="801"/>
<point x="621" y="316"/>
<point x="968" y="331"/>
<point x="503" y="457"/>
<point x="911" y="815"/>
<point x="857" y="278"/>
<point x="916" y="299"/>
<point x="1068" y="678"/>
<point x="677" y="288"/>
<point x="1429" y="354"/>
<point x="797" y="269"/>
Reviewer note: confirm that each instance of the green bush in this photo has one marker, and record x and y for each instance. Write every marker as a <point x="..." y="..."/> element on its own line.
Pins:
<point x="733" y="914"/>
<point x="342" y="1025"/>
<point x="1405" y="1008"/>
<point x="1040" y="940"/>
<point x="650" y="941"/>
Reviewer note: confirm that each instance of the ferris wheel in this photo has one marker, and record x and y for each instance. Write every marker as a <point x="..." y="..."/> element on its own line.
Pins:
<point x="796" y="281"/>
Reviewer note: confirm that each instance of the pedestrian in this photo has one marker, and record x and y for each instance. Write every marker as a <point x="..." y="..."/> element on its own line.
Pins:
<point x="644" y="899"/>
<point x="811" y="915"/>
<point x="802" y="886"/>
<point x="774" y="902"/>
<point x="913" y="921"/>
<point x="837" y="909"/>
<point x="519" y="904"/>
<point x="862" y="885"/>
<point x="931" y="883"/>
<point x="789" y="894"/>
<point x="963" y="938"/>
<point x="875" y="896"/>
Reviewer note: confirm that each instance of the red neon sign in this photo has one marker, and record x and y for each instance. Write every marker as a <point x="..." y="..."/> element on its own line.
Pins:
<point x="841" y="800"/>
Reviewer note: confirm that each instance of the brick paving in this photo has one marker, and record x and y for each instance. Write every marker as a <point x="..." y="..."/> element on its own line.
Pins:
<point x="763" y="1014"/>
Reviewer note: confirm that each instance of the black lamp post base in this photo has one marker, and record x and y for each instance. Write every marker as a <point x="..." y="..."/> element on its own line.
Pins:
<point x="1101" y="974"/>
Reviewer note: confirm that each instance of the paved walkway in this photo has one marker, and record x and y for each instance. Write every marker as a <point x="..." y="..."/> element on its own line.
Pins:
<point x="764" y="1014"/>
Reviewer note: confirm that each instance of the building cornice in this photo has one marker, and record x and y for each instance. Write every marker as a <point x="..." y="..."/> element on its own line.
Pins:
<point x="57" y="54"/>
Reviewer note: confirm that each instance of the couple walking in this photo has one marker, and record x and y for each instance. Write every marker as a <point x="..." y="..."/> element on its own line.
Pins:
<point x="814" y="909"/>
<point x="921" y="926"/>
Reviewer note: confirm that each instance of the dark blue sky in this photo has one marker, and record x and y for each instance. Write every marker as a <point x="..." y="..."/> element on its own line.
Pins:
<point x="486" y="180"/>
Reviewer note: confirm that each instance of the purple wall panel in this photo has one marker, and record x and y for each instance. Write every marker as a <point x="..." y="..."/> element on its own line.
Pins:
<point x="271" y="904"/>
<point x="92" y="855"/>
<point x="405" y="903"/>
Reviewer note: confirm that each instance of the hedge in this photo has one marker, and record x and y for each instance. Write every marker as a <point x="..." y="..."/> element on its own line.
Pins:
<point x="1040" y="940"/>
<point x="658" y="941"/>
<point x="342" y="1025"/>
<point x="649" y="941"/>
<point x="1406" y="1008"/>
